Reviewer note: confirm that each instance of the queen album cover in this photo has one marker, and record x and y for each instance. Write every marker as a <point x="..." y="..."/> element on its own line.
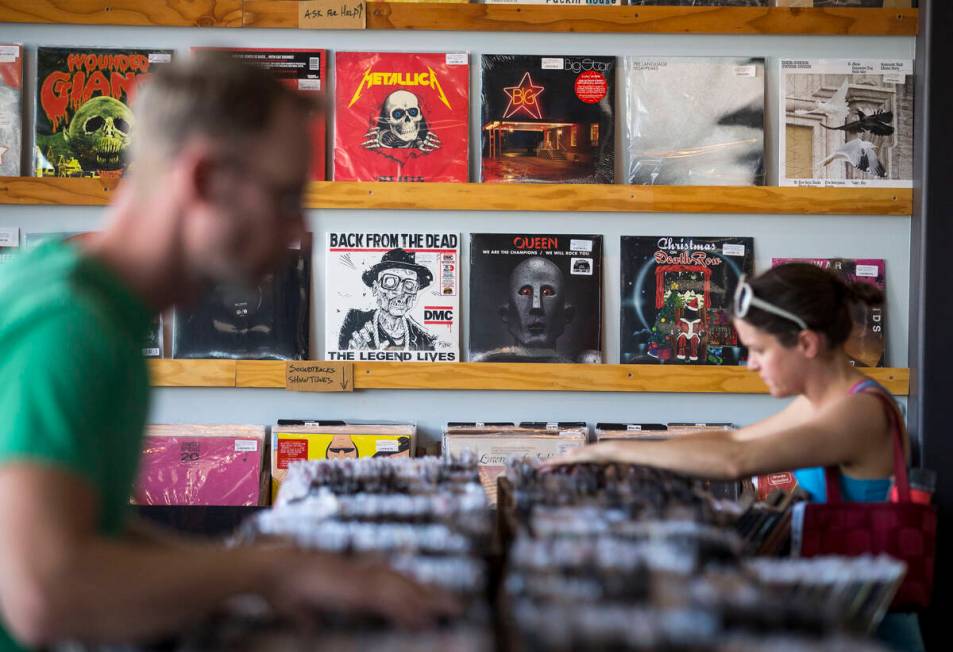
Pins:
<point x="676" y="299"/>
<point x="401" y="116"/>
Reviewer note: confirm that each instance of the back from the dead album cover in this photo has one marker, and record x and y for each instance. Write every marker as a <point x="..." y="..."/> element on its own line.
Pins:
<point x="548" y="119"/>
<point x="267" y="321"/>
<point x="401" y="116"/>
<point x="676" y="299"/>
<point x="535" y="298"/>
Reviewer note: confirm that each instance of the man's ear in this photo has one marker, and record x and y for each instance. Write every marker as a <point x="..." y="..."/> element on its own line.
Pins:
<point x="196" y="167"/>
<point x="811" y="343"/>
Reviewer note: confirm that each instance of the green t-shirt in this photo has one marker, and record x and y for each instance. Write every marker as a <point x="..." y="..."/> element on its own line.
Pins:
<point x="74" y="387"/>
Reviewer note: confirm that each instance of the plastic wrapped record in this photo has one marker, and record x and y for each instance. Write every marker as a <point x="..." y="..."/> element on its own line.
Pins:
<point x="694" y="121"/>
<point x="548" y="119"/>
<point x="401" y="116"/>
<point x="11" y="109"/>
<point x="268" y="321"/>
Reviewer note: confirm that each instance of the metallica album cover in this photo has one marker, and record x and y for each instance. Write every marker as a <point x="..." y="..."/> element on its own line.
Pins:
<point x="866" y="345"/>
<point x="392" y="296"/>
<point x="846" y="122"/>
<point x="401" y="116"/>
<point x="535" y="298"/>
<point x="83" y="119"/>
<point x="548" y="119"/>
<point x="269" y="321"/>
<point x="694" y="121"/>
<point x="302" y="70"/>
<point x="676" y="299"/>
<point x="11" y="110"/>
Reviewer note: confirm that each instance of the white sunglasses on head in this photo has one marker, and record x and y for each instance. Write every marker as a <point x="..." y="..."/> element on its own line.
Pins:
<point x="745" y="298"/>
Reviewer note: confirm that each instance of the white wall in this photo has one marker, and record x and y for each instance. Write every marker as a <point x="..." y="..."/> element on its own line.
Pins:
<point x="775" y="236"/>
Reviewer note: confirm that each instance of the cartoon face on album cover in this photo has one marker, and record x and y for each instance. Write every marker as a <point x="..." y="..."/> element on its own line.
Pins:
<point x="676" y="299"/>
<point x="401" y="116"/>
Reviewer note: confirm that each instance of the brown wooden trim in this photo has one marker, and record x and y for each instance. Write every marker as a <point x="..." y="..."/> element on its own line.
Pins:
<point x="156" y="13"/>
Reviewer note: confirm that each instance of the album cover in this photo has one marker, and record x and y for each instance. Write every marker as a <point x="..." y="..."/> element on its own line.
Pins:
<point x="866" y="345"/>
<point x="548" y="119"/>
<point x="676" y="299"/>
<point x="699" y="3"/>
<point x="293" y="440"/>
<point x="694" y="121"/>
<point x="639" y="431"/>
<point x="301" y="70"/>
<point x="846" y="122"/>
<point x="393" y="296"/>
<point x="83" y="120"/>
<point x="401" y="116"/>
<point x="535" y="298"/>
<point x="152" y="346"/>
<point x="11" y="110"/>
<point x="220" y="465"/>
<point x="587" y="3"/>
<point x="899" y="4"/>
<point x="269" y="321"/>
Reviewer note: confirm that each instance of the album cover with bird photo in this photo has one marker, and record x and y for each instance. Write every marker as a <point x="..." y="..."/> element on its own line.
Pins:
<point x="846" y="123"/>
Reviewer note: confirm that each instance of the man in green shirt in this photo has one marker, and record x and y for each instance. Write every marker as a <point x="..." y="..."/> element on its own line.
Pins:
<point x="214" y="193"/>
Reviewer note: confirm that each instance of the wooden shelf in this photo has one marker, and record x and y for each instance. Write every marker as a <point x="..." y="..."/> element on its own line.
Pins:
<point x="473" y="17"/>
<point x="494" y="376"/>
<point x="658" y="20"/>
<point x="617" y="198"/>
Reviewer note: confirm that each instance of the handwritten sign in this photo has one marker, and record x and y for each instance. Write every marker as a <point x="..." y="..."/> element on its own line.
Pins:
<point x="319" y="376"/>
<point x="332" y="14"/>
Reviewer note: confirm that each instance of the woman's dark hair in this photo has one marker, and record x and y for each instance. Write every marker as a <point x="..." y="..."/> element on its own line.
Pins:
<point x="815" y="295"/>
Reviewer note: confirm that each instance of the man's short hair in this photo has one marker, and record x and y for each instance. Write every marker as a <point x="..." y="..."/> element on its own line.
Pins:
<point x="210" y="95"/>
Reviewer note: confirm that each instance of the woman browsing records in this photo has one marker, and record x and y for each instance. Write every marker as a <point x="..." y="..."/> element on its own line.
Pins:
<point x="795" y="319"/>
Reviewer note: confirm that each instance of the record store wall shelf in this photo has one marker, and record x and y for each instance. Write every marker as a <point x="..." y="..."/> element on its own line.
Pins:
<point x="761" y="200"/>
<point x="493" y="376"/>
<point x="784" y="221"/>
<point x="472" y="17"/>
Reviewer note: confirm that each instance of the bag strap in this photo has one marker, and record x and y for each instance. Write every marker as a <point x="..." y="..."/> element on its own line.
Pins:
<point x="902" y="482"/>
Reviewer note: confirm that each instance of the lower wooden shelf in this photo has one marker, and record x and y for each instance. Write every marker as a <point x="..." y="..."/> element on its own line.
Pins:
<point x="495" y="376"/>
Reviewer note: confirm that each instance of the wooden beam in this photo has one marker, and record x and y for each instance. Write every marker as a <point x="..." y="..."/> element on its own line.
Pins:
<point x="548" y="377"/>
<point x="659" y="20"/>
<point x="618" y="198"/>
<point x="192" y="373"/>
<point x="158" y="13"/>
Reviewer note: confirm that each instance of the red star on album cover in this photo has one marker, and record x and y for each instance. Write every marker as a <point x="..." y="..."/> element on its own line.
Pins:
<point x="524" y="98"/>
<point x="401" y="117"/>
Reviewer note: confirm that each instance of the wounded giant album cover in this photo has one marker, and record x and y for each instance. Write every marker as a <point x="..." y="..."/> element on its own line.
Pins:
<point x="846" y="122"/>
<point x="302" y="70"/>
<point x="83" y="120"/>
<point x="392" y="296"/>
<point x="866" y="345"/>
<point x="267" y="321"/>
<point x="676" y="299"/>
<point x="694" y="121"/>
<point x="11" y="110"/>
<point x="548" y="119"/>
<point x="535" y="298"/>
<point x="401" y="116"/>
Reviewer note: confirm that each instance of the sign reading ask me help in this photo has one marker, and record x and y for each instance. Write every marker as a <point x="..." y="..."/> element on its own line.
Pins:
<point x="319" y="376"/>
<point x="332" y="14"/>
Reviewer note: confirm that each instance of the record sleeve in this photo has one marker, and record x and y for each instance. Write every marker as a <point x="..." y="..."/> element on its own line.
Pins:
<point x="847" y="3"/>
<point x="699" y="3"/>
<point x="866" y="345"/>
<point x="393" y="296"/>
<point x="846" y="122"/>
<point x="694" y="121"/>
<point x="401" y="116"/>
<point x="548" y="119"/>
<point x="9" y="244"/>
<point x="301" y="70"/>
<point x="535" y="298"/>
<point x="269" y="321"/>
<point x="11" y="110"/>
<point x="83" y="120"/>
<point x="220" y="465"/>
<point x="676" y="299"/>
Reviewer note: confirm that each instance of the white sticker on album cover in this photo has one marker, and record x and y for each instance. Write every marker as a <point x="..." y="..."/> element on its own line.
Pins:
<point x="580" y="245"/>
<point x="386" y="446"/>
<point x="581" y="267"/>
<point x="894" y="78"/>
<point x="160" y="57"/>
<point x="314" y="63"/>
<point x="746" y="71"/>
<point x="867" y="271"/>
<point x="457" y="58"/>
<point x="309" y="84"/>
<point x="9" y="237"/>
<point x="733" y="250"/>
<point x="246" y="445"/>
<point x="9" y="53"/>
<point x="552" y="425"/>
<point x="552" y="63"/>
<point x="633" y="427"/>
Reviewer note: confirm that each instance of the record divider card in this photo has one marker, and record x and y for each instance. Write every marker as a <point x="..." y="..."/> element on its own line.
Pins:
<point x="319" y="376"/>
<point x="332" y="14"/>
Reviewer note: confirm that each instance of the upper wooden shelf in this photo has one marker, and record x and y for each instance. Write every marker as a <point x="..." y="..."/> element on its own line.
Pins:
<point x="495" y="376"/>
<point x="760" y="200"/>
<point x="473" y="17"/>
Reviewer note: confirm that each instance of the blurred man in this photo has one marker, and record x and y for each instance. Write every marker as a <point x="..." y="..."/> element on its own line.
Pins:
<point x="214" y="194"/>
